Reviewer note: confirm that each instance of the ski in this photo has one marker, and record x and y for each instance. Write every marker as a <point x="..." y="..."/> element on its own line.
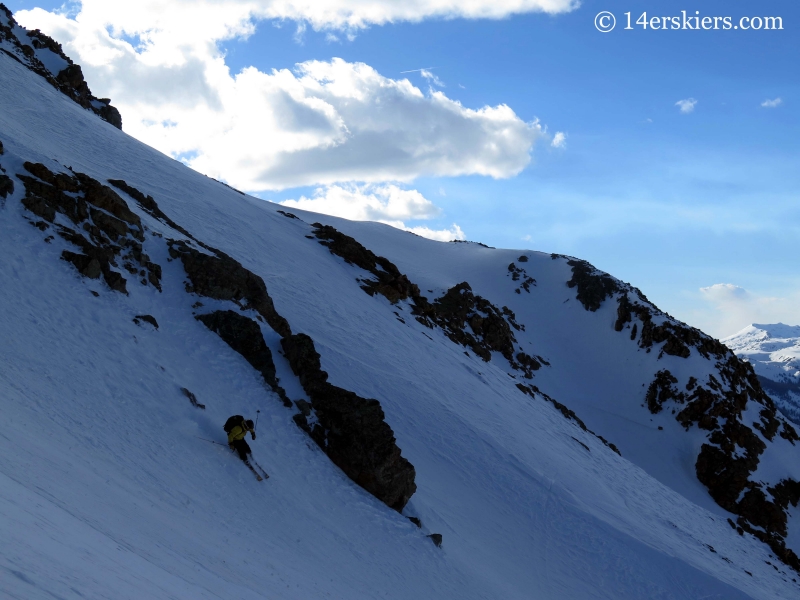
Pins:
<point x="249" y="466"/>
<point x="260" y="468"/>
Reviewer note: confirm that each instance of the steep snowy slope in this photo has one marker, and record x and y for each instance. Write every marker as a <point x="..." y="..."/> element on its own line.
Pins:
<point x="108" y="492"/>
<point x="774" y="352"/>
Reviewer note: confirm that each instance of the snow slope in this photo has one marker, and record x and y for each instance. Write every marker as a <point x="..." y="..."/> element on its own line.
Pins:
<point x="108" y="493"/>
<point x="774" y="352"/>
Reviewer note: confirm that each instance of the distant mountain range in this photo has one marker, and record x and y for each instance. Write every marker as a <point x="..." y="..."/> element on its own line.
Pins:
<point x="774" y="352"/>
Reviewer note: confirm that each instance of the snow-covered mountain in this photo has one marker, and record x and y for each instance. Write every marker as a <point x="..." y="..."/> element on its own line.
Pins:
<point x="551" y="432"/>
<point x="774" y="352"/>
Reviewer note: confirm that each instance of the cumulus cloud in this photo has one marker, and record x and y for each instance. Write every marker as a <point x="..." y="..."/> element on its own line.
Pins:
<point x="365" y="202"/>
<point x="386" y="203"/>
<point x="320" y="123"/>
<point x="772" y="103"/>
<point x="440" y="235"/>
<point x="559" y="140"/>
<point x="687" y="105"/>
<point x="724" y="294"/>
<point x="734" y="308"/>
<point x="328" y="14"/>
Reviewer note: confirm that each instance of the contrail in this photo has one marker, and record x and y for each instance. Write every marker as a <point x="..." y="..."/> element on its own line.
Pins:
<point x="416" y="70"/>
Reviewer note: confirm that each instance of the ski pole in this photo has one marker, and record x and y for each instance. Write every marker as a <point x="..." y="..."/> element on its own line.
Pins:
<point x="256" y="425"/>
<point x="212" y="441"/>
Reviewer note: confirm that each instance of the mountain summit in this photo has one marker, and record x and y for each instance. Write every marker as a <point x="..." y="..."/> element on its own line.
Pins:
<point x="438" y="420"/>
<point x="774" y="352"/>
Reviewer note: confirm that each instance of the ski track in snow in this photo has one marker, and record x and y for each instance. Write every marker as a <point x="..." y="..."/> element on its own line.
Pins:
<point x="107" y="492"/>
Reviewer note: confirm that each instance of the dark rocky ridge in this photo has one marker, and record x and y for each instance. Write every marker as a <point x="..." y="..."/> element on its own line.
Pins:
<point x="593" y="286"/>
<point x="6" y="186"/>
<point x="726" y="463"/>
<point x="352" y="430"/>
<point x="223" y="278"/>
<point x="388" y="281"/>
<point x="490" y="328"/>
<point x="244" y="336"/>
<point x="6" y="183"/>
<point x="114" y="232"/>
<point x="68" y="81"/>
<point x="149" y="206"/>
<point x="716" y="405"/>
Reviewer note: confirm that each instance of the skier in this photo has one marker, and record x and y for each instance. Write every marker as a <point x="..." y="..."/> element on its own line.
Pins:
<point x="237" y="428"/>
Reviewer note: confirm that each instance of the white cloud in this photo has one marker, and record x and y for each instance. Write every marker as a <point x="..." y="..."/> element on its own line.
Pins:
<point x="687" y="105"/>
<point x="772" y="103"/>
<point x="323" y="122"/>
<point x="440" y="235"/>
<point x="299" y="33"/>
<point x="722" y="294"/>
<point x="559" y="140"/>
<point x="386" y="203"/>
<point x="365" y="202"/>
<point x="430" y="76"/>
<point x="734" y="308"/>
<point x="327" y="14"/>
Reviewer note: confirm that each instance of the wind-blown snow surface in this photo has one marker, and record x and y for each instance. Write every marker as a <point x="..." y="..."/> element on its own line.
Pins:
<point x="107" y="492"/>
<point x="774" y="352"/>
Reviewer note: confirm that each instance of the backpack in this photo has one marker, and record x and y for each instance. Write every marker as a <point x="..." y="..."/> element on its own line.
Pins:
<point x="232" y="422"/>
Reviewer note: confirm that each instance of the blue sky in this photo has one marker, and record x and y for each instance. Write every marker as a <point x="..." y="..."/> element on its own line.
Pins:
<point x="670" y="201"/>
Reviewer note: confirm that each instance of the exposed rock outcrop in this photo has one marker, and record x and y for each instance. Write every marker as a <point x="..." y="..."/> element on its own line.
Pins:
<point x="518" y="273"/>
<point x="726" y="463"/>
<point x="149" y="205"/>
<point x="352" y="430"/>
<point x="436" y="538"/>
<point x="244" y="336"/>
<point x="221" y="277"/>
<point x="106" y="231"/>
<point x="138" y="319"/>
<point x="6" y="186"/>
<point x="593" y="286"/>
<point x="6" y="183"/>
<point x="35" y="50"/>
<point x="490" y="328"/>
<point x="192" y="398"/>
<point x="388" y="282"/>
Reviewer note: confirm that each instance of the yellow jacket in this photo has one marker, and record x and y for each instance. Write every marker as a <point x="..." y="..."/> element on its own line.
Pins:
<point x="239" y="432"/>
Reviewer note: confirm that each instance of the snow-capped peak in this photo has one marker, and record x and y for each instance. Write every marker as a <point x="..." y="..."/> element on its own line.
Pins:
<point x="774" y="352"/>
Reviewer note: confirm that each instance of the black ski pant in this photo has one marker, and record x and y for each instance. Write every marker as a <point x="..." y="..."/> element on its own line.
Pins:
<point x="242" y="448"/>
